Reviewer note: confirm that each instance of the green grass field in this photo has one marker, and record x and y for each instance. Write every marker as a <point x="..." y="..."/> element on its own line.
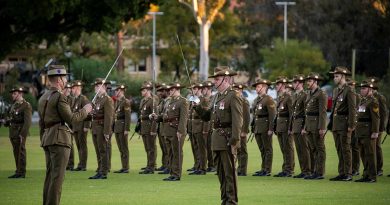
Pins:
<point x="135" y="189"/>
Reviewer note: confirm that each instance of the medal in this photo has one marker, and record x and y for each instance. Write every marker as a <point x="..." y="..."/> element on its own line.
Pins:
<point x="222" y="105"/>
<point x="144" y="108"/>
<point x="173" y="108"/>
<point x="260" y="106"/>
<point x="362" y="108"/>
<point x="16" y="112"/>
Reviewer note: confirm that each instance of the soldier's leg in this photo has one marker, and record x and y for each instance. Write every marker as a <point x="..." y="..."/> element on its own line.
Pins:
<point x="164" y="158"/>
<point x="23" y="157"/>
<point x="261" y="147"/>
<point x="306" y="155"/>
<point x="76" y="136"/>
<point x="243" y="158"/>
<point x="15" y="142"/>
<point x="95" y="144"/>
<point x="168" y="141"/>
<point x="125" y="152"/>
<point x="355" y="154"/>
<point x="362" y="149"/>
<point x="109" y="153"/>
<point x="282" y="146"/>
<point x="194" y="148"/>
<point x="58" y="157"/>
<point x="320" y="153"/>
<point x="118" y="139"/>
<point x="221" y="175"/>
<point x="177" y="155"/>
<point x="267" y="140"/>
<point x="370" y="152"/>
<point x="346" y="153"/>
<point x="152" y="151"/>
<point x="19" y="151"/>
<point x="103" y="152"/>
<point x="144" y="138"/>
<point x="379" y="155"/>
<point x="289" y="151"/>
<point x="202" y="151"/>
<point x="228" y="167"/>
<point x="83" y="150"/>
<point x="338" y="144"/>
<point x="210" y="157"/>
<point x="70" y="165"/>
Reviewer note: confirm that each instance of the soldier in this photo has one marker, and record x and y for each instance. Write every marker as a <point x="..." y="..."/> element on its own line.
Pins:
<point x="163" y="92"/>
<point x="354" y="140"/>
<point x="297" y="123"/>
<point x="148" y="127"/>
<point x="284" y="111"/>
<point x="207" y="128"/>
<point x="315" y="125"/>
<point x="102" y="121"/>
<point x="175" y="119"/>
<point x="264" y="112"/>
<point x="68" y="94"/>
<point x="195" y="128"/>
<point x="367" y="130"/>
<point x="383" y="112"/>
<point x="242" y="152"/>
<point x="54" y="116"/>
<point x="225" y="112"/>
<point x="80" y="129"/>
<point x="19" y="122"/>
<point x="122" y="126"/>
<point x="343" y="117"/>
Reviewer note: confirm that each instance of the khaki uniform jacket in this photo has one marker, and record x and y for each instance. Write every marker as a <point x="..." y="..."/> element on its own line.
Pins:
<point x="52" y="119"/>
<point x="264" y="108"/>
<point x="175" y="116"/>
<point x="195" y="124"/>
<point x="205" y="104"/>
<point x="160" y="110"/>
<point x="19" y="119"/>
<point x="80" y="102"/>
<point x="344" y="112"/>
<point x="225" y="112"/>
<point x="146" y="108"/>
<point x="383" y="110"/>
<point x="368" y="118"/>
<point x="315" y="110"/>
<point x="122" y="117"/>
<point x="103" y="114"/>
<point x="246" y="115"/>
<point x="297" y="121"/>
<point x="284" y="111"/>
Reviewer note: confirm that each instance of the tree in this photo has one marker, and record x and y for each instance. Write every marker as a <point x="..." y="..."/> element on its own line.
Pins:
<point x="25" y="23"/>
<point x="205" y="13"/>
<point x="296" y="57"/>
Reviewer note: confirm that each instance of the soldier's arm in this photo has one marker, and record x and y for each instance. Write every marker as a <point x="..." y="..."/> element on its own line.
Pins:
<point x="289" y="104"/>
<point x="204" y="114"/>
<point x="87" y="122"/>
<point x="182" y="129"/>
<point x="237" y="118"/>
<point x="246" y="117"/>
<point x="127" y="110"/>
<point x="322" y="104"/>
<point x="382" y="112"/>
<point x="108" y="116"/>
<point x="27" y="120"/>
<point x="271" y="107"/>
<point x="375" y="116"/>
<point x="66" y="114"/>
<point x="351" y="109"/>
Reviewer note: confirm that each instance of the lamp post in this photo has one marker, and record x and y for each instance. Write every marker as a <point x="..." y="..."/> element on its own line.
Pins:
<point x="285" y="4"/>
<point x="68" y="54"/>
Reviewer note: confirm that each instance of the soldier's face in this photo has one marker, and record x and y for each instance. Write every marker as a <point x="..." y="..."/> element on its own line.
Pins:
<point x="310" y="83"/>
<point x="103" y="89"/>
<point x="218" y="81"/>
<point x="279" y="86"/>
<point x="15" y="95"/>
<point x="260" y="88"/>
<point x="337" y="78"/>
<point x="364" y="91"/>
<point x="144" y="92"/>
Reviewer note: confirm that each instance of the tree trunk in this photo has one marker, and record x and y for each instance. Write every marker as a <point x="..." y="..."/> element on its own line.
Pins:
<point x="204" y="50"/>
<point x="121" y="60"/>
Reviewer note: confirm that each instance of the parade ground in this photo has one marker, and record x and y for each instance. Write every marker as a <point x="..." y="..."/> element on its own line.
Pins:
<point x="134" y="188"/>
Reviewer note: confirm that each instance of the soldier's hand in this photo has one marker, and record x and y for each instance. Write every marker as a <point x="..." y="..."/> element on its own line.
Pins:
<point x="233" y="141"/>
<point x="88" y="107"/>
<point x="153" y="133"/>
<point x="350" y="129"/>
<point x="107" y="137"/>
<point x="374" y="135"/>
<point x="85" y="129"/>
<point x="321" y="133"/>
<point x="126" y="132"/>
<point x="303" y="132"/>
<point x="243" y="135"/>
<point x="270" y="132"/>
<point x="179" y="135"/>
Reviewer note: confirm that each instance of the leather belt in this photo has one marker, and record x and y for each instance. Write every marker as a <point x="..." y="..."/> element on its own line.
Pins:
<point x="312" y="114"/>
<point x="223" y="125"/>
<point x="284" y="115"/>
<point x="342" y="113"/>
<point x="51" y="124"/>
<point x="173" y="119"/>
<point x="364" y="120"/>
<point x="262" y="116"/>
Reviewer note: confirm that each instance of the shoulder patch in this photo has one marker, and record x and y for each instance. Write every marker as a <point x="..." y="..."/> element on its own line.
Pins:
<point x="375" y="108"/>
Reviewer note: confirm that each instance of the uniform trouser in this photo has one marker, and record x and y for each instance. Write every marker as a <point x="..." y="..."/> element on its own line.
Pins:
<point x="194" y="148"/>
<point x="202" y="151"/>
<point x="109" y="151"/>
<point x="379" y="154"/>
<point x="175" y="147"/>
<point x="123" y="146"/>
<point x="287" y="147"/>
<point x="210" y="159"/>
<point x="225" y="162"/>
<point x="242" y="156"/>
<point x="163" y="147"/>
<point x="56" y="160"/>
<point x="95" y="145"/>
<point x="102" y="150"/>
<point x="303" y="152"/>
<point x="167" y="146"/>
<point x="343" y="146"/>
<point x="150" y="148"/>
<point x="317" y="150"/>
<point x="264" y="142"/>
<point x="19" y="150"/>
<point x="71" y="155"/>
<point x="367" y="147"/>
<point x="355" y="153"/>
<point x="81" y="142"/>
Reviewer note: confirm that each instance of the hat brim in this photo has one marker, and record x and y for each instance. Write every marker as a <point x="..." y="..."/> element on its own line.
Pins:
<point x="21" y="91"/>
<point x="255" y="84"/>
<point x="337" y="72"/>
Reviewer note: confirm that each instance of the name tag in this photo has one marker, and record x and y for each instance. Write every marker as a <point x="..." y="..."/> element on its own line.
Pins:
<point x="362" y="108"/>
